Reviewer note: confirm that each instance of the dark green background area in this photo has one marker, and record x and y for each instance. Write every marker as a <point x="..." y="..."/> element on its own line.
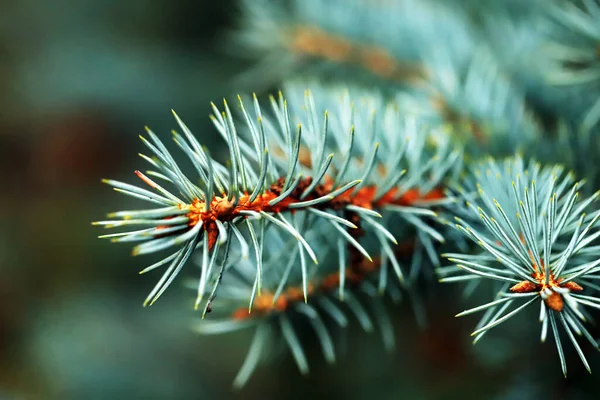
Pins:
<point x="78" y="83"/>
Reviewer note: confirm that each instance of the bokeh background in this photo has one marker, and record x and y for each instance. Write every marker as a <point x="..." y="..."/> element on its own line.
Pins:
<point x="78" y="82"/>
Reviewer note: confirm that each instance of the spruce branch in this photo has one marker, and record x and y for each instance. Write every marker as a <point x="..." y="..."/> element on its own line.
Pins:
<point x="296" y="169"/>
<point x="332" y="198"/>
<point x="536" y="240"/>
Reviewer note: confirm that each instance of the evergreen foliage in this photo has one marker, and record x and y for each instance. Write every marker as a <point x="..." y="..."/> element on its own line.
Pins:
<point x="404" y="130"/>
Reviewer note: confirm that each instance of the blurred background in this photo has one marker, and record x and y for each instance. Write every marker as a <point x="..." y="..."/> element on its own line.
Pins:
<point x="79" y="81"/>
